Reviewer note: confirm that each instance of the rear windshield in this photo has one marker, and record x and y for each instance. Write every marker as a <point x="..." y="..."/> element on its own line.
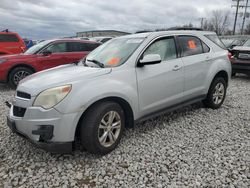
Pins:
<point x="216" y="40"/>
<point x="8" y="38"/>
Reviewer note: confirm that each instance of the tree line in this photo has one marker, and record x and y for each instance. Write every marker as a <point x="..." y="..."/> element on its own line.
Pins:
<point x="219" y="22"/>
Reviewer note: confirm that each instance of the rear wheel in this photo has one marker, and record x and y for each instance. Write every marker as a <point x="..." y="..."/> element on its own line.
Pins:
<point x="18" y="74"/>
<point x="216" y="94"/>
<point x="102" y="127"/>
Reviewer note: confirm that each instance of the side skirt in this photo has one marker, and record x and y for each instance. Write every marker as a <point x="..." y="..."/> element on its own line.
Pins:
<point x="170" y="109"/>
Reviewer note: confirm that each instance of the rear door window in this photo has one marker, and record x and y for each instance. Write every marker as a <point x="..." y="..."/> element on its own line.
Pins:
<point x="190" y="45"/>
<point x="91" y="46"/>
<point x="79" y="46"/>
<point x="8" y="38"/>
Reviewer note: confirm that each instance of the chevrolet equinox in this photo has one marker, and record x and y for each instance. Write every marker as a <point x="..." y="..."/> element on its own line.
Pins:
<point x="123" y="81"/>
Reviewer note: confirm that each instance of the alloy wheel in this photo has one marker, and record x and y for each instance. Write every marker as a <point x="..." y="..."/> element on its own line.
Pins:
<point x="109" y="128"/>
<point x="219" y="93"/>
<point x="19" y="76"/>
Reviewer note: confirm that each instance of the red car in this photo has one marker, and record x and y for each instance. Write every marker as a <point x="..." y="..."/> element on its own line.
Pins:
<point x="11" y="43"/>
<point x="44" y="55"/>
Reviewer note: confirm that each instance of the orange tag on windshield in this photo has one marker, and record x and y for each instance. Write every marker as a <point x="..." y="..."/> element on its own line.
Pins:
<point x="113" y="61"/>
<point x="191" y="44"/>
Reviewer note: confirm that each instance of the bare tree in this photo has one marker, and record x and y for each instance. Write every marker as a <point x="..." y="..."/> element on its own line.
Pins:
<point x="219" y="21"/>
<point x="208" y="26"/>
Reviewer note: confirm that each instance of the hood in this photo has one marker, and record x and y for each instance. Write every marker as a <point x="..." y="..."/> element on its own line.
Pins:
<point x="16" y="56"/>
<point x="241" y="48"/>
<point x="62" y="75"/>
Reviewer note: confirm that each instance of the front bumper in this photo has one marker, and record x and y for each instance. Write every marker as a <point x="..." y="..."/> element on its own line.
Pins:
<point x="47" y="129"/>
<point x="53" y="147"/>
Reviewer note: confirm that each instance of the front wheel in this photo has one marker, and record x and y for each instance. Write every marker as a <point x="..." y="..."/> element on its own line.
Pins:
<point x="17" y="74"/>
<point x="102" y="127"/>
<point x="216" y="94"/>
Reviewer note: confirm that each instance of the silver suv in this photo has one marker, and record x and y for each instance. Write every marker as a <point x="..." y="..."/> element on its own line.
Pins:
<point x="123" y="81"/>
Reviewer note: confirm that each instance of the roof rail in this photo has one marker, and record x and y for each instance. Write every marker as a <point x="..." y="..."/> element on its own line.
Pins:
<point x="6" y="30"/>
<point x="143" y="31"/>
<point x="184" y="28"/>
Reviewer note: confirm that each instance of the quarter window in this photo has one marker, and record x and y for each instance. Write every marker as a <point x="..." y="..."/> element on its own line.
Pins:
<point x="164" y="47"/>
<point x="8" y="38"/>
<point x="206" y="49"/>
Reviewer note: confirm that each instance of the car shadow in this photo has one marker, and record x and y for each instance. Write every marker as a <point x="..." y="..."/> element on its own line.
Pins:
<point x="241" y="76"/>
<point x="5" y="87"/>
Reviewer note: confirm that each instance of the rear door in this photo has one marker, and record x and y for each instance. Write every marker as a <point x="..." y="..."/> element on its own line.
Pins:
<point x="78" y="50"/>
<point x="196" y="59"/>
<point x="57" y="57"/>
<point x="160" y="85"/>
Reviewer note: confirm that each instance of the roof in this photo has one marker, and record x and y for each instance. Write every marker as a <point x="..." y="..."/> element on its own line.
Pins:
<point x="71" y="40"/>
<point x="171" y="32"/>
<point x="103" y="31"/>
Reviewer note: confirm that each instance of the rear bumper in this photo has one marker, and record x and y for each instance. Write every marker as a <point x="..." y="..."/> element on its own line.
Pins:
<point x="237" y="68"/>
<point x="53" y="147"/>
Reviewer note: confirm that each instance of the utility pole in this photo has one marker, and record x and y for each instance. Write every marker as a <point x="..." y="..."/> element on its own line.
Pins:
<point x="244" y="17"/>
<point x="236" y="15"/>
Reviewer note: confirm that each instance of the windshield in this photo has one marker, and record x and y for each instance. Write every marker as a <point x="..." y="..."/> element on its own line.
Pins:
<point x="37" y="47"/>
<point x="115" y="52"/>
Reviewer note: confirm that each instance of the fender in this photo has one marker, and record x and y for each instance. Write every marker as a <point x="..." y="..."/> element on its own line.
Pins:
<point x="95" y="91"/>
<point x="5" y="52"/>
<point x="217" y="66"/>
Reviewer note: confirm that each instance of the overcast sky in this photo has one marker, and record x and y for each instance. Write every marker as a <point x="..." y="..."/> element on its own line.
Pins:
<point x="43" y="19"/>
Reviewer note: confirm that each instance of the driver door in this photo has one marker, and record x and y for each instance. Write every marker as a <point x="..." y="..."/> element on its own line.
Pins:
<point x="56" y="57"/>
<point x="160" y="85"/>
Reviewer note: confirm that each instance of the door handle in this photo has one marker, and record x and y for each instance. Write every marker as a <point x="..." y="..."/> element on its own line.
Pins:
<point x="176" y="68"/>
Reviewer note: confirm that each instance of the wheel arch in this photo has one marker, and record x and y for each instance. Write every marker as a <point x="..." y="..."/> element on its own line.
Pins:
<point x="20" y="65"/>
<point x="222" y="74"/>
<point x="129" y="121"/>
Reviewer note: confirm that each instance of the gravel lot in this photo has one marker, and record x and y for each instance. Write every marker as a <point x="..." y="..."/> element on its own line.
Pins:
<point x="191" y="147"/>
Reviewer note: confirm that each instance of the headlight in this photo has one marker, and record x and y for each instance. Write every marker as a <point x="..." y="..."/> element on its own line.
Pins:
<point x="2" y="60"/>
<point x="51" y="97"/>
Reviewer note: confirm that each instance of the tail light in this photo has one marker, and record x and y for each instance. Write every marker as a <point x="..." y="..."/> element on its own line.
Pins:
<point x="229" y="55"/>
<point x="23" y="49"/>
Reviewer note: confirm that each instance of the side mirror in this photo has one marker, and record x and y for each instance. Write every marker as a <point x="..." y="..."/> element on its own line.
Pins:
<point x="46" y="53"/>
<point x="150" y="59"/>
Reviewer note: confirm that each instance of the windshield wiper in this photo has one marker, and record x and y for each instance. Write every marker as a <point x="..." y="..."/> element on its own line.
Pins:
<point x="96" y="62"/>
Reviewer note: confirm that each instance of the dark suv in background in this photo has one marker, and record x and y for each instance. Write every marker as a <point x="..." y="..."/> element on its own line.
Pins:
<point x="44" y="55"/>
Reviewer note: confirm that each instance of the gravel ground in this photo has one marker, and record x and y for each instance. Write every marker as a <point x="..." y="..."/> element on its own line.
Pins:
<point x="193" y="147"/>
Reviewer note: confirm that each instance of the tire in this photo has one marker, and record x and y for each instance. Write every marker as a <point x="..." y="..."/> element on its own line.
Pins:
<point x="92" y="131"/>
<point x="20" y="72"/>
<point x="211" y="101"/>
